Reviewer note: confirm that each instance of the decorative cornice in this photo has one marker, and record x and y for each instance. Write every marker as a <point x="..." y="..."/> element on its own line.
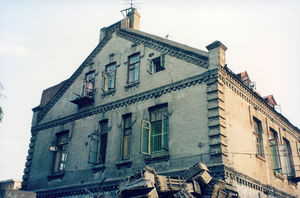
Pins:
<point x="79" y="190"/>
<point x="75" y="75"/>
<point x="165" y="48"/>
<point x="230" y="80"/>
<point x="154" y="93"/>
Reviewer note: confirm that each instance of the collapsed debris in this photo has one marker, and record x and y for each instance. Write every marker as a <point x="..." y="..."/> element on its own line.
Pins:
<point x="148" y="184"/>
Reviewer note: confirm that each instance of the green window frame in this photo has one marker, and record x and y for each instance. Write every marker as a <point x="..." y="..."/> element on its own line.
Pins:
<point x="154" y="137"/>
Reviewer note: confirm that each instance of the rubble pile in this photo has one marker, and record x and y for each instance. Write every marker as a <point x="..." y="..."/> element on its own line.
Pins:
<point x="148" y="184"/>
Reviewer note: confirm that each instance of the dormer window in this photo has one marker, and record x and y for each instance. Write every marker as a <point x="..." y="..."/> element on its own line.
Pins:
<point x="133" y="68"/>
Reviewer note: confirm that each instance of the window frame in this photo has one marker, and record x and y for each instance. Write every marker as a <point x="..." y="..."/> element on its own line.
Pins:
<point x="258" y="133"/>
<point x="85" y="91"/>
<point x="126" y="136"/>
<point x="275" y="155"/>
<point x="157" y="114"/>
<point x="288" y="159"/>
<point x="108" y="75"/>
<point x="134" y="68"/>
<point x="61" y="152"/>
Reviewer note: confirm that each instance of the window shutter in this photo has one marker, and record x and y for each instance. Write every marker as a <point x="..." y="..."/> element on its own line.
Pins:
<point x="275" y="156"/>
<point x="162" y="60"/>
<point x="83" y="92"/>
<point x="165" y="130"/>
<point x="105" y="81"/>
<point x="150" y="66"/>
<point x="94" y="147"/>
<point x="283" y="150"/>
<point x="145" y="137"/>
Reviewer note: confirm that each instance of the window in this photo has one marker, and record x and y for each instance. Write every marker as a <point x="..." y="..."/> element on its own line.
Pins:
<point x="60" y="149"/>
<point x="157" y="64"/>
<point x="127" y="130"/>
<point x="109" y="77"/>
<point x="98" y="144"/>
<point x="258" y="137"/>
<point x="273" y="141"/>
<point x="88" y="85"/>
<point x="155" y="131"/>
<point x="287" y="158"/>
<point x="133" y="68"/>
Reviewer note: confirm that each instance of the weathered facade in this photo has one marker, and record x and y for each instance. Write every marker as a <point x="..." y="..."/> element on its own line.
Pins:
<point x="139" y="100"/>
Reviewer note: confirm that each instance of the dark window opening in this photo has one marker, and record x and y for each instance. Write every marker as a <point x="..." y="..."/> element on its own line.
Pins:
<point x="97" y="154"/>
<point x="61" y="152"/>
<point x="127" y="131"/>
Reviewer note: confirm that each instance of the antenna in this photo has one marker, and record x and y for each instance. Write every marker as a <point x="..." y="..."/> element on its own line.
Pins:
<point x="132" y="4"/>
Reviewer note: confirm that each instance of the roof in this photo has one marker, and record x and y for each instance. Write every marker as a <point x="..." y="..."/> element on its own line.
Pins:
<point x="48" y="93"/>
<point x="270" y="100"/>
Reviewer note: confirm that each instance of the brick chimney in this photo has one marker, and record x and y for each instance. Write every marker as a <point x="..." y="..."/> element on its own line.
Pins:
<point x="132" y="20"/>
<point x="216" y="54"/>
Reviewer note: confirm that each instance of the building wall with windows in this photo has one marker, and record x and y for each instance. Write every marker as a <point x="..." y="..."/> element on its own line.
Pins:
<point x="139" y="100"/>
<point x="258" y="156"/>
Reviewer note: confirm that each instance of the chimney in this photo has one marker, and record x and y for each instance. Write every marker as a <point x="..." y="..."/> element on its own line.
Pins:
<point x="216" y="54"/>
<point x="132" y="20"/>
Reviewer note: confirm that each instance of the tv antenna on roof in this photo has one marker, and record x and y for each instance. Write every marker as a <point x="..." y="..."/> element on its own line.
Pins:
<point x="132" y="5"/>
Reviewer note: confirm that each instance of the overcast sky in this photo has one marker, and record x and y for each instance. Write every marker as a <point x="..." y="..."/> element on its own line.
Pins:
<point x="43" y="42"/>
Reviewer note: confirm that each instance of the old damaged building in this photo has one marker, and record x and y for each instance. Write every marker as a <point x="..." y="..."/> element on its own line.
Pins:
<point x="141" y="100"/>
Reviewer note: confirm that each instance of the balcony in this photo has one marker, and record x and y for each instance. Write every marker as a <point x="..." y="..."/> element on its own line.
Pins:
<point x="86" y="99"/>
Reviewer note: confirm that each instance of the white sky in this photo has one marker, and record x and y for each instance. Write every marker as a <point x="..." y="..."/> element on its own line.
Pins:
<point x="43" y="42"/>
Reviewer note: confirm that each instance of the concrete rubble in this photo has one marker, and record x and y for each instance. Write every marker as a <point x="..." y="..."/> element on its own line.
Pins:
<point x="196" y="182"/>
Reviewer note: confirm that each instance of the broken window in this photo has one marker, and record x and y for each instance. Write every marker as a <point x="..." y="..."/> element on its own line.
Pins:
<point x="133" y="68"/>
<point x="155" y="131"/>
<point x="109" y="77"/>
<point x="88" y="84"/>
<point x="258" y="137"/>
<point x="60" y="149"/>
<point x="157" y="64"/>
<point x="127" y="130"/>
<point x="287" y="158"/>
<point x="273" y="141"/>
<point x="98" y="144"/>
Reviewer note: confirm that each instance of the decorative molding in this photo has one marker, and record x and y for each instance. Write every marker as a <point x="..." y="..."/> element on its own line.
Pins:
<point x="229" y="79"/>
<point x="79" y="190"/>
<point x="157" y="92"/>
<point x="75" y="75"/>
<point x="216" y="121"/>
<point x="231" y="174"/>
<point x="28" y="162"/>
<point x="109" y="92"/>
<point x="133" y="84"/>
<point x="165" y="48"/>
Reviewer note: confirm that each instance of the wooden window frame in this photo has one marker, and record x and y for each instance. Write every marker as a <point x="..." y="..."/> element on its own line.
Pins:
<point x="134" y="68"/>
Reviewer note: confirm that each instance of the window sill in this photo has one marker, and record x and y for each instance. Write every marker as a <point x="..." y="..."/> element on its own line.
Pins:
<point x="56" y="175"/>
<point x="98" y="167"/>
<point x="279" y="175"/>
<point x="130" y="85"/>
<point x="109" y="92"/>
<point x="124" y="163"/>
<point x="156" y="157"/>
<point x="260" y="157"/>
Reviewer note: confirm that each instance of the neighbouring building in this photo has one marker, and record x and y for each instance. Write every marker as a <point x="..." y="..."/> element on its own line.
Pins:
<point x="138" y="100"/>
<point x="11" y="188"/>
